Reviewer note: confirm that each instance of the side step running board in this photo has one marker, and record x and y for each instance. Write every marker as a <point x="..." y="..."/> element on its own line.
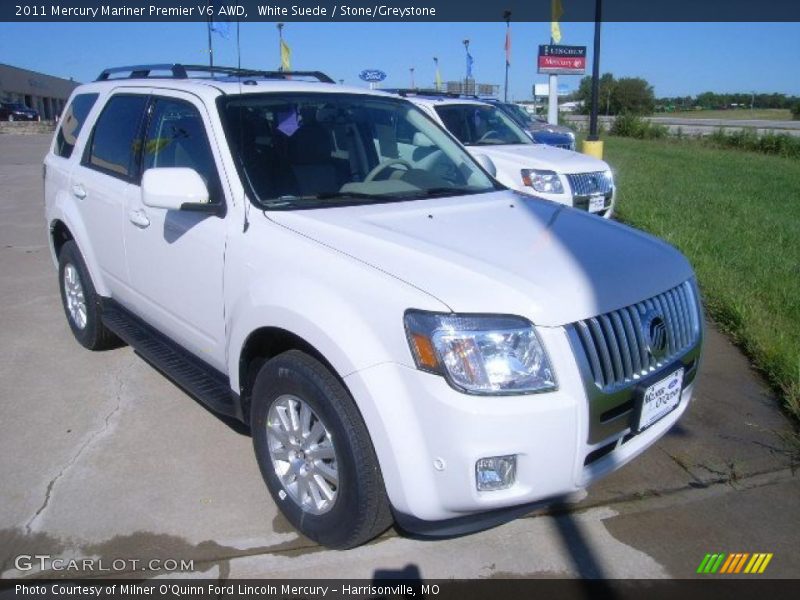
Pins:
<point x="195" y="376"/>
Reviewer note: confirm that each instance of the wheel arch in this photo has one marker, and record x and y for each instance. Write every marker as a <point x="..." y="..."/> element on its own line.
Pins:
<point x="264" y="344"/>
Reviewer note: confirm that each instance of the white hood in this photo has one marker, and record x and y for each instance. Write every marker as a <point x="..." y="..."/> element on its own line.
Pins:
<point x="539" y="156"/>
<point x="501" y="252"/>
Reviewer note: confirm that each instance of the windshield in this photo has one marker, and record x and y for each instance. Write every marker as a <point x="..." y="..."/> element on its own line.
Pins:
<point x="320" y="150"/>
<point x="518" y="112"/>
<point x="481" y="125"/>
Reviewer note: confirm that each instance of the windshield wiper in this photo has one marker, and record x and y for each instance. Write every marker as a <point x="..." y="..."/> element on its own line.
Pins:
<point x="448" y="191"/>
<point x="289" y="201"/>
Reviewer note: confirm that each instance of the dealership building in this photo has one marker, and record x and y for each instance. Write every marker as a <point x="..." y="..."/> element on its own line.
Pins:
<point x="45" y="93"/>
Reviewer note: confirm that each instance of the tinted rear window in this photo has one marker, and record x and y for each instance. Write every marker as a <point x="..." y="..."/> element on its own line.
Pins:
<point x="72" y="122"/>
<point x="116" y="135"/>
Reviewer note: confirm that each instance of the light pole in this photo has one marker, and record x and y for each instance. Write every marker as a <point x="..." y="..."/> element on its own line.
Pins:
<point x="507" y="17"/>
<point x="593" y="137"/>
<point x="466" y="78"/>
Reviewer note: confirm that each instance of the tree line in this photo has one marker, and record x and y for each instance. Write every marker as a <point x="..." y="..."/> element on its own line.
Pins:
<point x="634" y="95"/>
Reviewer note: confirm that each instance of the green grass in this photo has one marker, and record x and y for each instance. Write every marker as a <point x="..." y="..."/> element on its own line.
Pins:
<point x="736" y="216"/>
<point x="772" y="114"/>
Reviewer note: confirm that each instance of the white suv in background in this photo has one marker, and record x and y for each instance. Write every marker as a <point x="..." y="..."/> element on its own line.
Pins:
<point x="406" y="338"/>
<point x="517" y="161"/>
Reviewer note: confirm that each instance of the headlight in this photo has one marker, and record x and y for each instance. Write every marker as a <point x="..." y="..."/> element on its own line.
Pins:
<point x="480" y="354"/>
<point x="542" y="181"/>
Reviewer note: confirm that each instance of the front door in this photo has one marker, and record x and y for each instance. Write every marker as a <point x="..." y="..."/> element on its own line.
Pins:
<point x="176" y="257"/>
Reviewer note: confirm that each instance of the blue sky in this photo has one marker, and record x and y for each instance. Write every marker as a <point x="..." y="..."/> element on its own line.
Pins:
<point x="677" y="58"/>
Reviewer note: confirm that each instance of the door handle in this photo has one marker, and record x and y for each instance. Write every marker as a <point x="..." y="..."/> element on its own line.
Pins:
<point x="139" y="218"/>
<point x="78" y="191"/>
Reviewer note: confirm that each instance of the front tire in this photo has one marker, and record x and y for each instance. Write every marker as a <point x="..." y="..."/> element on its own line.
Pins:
<point x="81" y="302"/>
<point x="315" y="453"/>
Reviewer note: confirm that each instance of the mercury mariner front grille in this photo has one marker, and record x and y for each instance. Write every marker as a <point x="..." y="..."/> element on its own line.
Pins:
<point x="589" y="184"/>
<point x="619" y="345"/>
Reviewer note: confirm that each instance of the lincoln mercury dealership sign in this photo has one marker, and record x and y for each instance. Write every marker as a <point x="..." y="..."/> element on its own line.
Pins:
<point x="562" y="60"/>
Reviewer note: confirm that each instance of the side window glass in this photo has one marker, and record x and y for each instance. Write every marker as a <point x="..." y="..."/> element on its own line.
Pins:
<point x="72" y="122"/>
<point x="176" y="137"/>
<point x="116" y="136"/>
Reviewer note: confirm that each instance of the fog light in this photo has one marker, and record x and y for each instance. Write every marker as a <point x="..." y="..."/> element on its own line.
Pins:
<point x="495" y="473"/>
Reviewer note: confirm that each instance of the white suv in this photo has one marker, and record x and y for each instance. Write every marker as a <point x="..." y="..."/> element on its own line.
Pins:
<point x="406" y="338"/>
<point x="517" y="161"/>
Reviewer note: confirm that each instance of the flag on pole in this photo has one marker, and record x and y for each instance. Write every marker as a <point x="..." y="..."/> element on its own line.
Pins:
<point x="508" y="45"/>
<point x="222" y="28"/>
<point x="286" y="56"/>
<point x="556" y="12"/>
<point x="438" y="80"/>
<point x="470" y="61"/>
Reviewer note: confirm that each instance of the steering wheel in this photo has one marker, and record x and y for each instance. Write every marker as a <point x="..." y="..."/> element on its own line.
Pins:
<point x="488" y="135"/>
<point x="385" y="165"/>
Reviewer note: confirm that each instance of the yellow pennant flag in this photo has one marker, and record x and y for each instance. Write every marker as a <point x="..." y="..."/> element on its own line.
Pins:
<point x="438" y="79"/>
<point x="286" y="56"/>
<point x="557" y="11"/>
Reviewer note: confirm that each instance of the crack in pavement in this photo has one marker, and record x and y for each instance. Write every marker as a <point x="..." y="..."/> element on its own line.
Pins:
<point x="119" y="377"/>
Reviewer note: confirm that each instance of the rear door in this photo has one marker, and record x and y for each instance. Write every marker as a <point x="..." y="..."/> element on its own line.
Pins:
<point x="176" y="257"/>
<point x="105" y="178"/>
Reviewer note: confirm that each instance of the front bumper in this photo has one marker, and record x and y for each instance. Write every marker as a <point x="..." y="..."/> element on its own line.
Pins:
<point x="429" y="436"/>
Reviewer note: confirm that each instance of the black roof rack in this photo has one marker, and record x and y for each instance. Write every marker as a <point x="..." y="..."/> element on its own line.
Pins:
<point x="434" y="93"/>
<point x="179" y="71"/>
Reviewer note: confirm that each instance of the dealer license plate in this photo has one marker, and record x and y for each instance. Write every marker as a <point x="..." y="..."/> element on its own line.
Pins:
<point x="660" y="399"/>
<point x="597" y="203"/>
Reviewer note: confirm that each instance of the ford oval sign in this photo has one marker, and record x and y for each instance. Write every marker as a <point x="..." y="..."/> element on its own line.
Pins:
<point x="372" y="75"/>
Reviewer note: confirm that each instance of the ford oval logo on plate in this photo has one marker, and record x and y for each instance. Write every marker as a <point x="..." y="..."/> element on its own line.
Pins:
<point x="372" y="75"/>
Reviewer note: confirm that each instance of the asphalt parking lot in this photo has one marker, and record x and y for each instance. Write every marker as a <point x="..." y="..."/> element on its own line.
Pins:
<point x="103" y="457"/>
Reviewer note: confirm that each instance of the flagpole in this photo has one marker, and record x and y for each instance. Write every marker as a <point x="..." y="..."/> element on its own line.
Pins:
<point x="280" y="45"/>
<point x="413" y="86"/>
<point x="210" y="44"/>
<point x="466" y="77"/>
<point x="507" y="17"/>
<point x="436" y="74"/>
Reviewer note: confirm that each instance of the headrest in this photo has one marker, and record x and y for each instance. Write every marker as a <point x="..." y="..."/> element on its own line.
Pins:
<point x="422" y="141"/>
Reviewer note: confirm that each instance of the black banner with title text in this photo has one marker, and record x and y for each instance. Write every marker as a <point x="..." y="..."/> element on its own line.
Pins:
<point x="396" y="10"/>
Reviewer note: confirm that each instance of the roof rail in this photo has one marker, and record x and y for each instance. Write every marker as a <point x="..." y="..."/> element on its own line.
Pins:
<point x="419" y="92"/>
<point x="179" y="71"/>
<point x="433" y="93"/>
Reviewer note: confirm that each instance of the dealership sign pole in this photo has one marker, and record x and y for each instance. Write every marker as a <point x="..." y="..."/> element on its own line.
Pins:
<point x="555" y="59"/>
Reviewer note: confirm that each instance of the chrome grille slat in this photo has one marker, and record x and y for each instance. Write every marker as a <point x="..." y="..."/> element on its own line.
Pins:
<point x="686" y="313"/>
<point x="637" y="323"/>
<point x="663" y="307"/>
<point x="615" y="343"/>
<point x="605" y="356"/>
<point x="613" y="346"/>
<point x="622" y="340"/>
<point x="680" y="319"/>
<point x="636" y="357"/>
<point x="588" y="344"/>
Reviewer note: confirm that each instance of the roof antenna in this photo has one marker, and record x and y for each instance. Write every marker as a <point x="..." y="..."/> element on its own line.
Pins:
<point x="241" y="125"/>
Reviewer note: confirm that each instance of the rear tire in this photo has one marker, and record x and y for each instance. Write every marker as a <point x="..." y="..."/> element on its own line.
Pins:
<point x="81" y="302"/>
<point x="315" y="453"/>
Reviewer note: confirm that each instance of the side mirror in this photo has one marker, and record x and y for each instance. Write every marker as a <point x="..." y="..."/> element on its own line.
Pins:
<point x="175" y="188"/>
<point x="486" y="163"/>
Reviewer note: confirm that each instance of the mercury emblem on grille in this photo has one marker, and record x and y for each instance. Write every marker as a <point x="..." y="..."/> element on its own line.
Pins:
<point x="654" y="330"/>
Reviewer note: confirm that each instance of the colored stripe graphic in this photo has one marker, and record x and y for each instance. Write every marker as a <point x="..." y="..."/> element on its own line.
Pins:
<point x="734" y="563"/>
